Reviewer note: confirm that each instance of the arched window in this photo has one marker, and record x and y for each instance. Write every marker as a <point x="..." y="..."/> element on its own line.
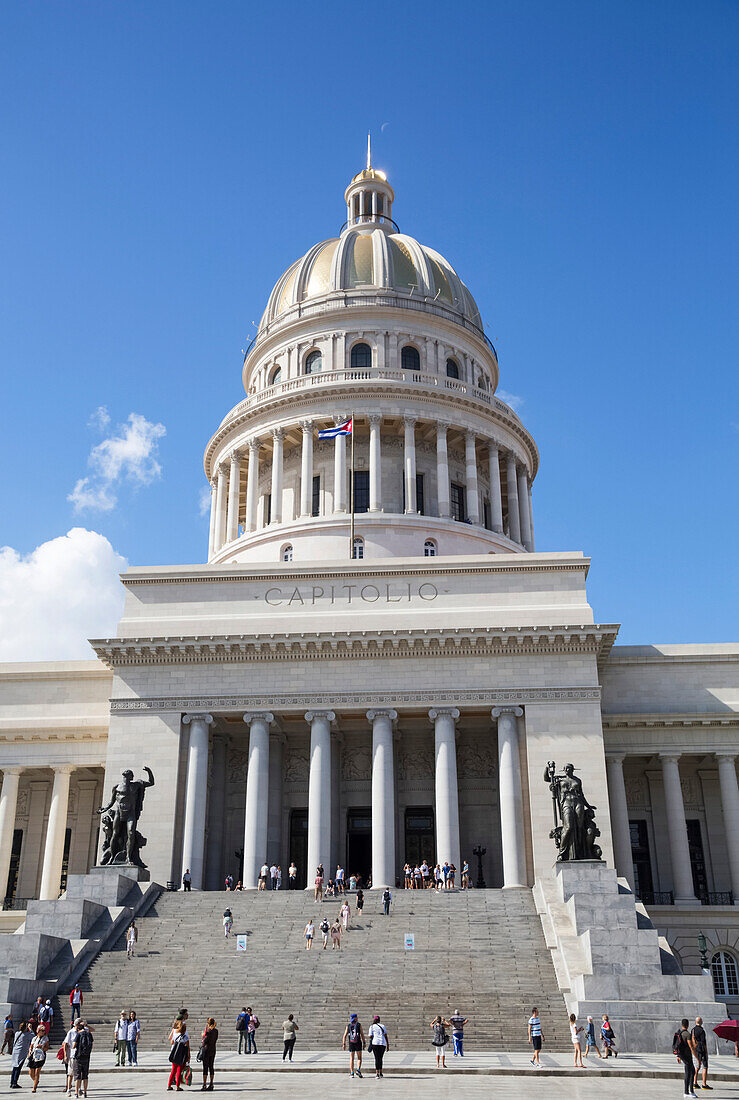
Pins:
<point x="452" y="370"/>
<point x="287" y="552"/>
<point x="358" y="548"/>
<point x="314" y="363"/>
<point x="724" y="974"/>
<point x="361" y="356"/>
<point x="409" y="358"/>
<point x="275" y="376"/>
<point x="429" y="548"/>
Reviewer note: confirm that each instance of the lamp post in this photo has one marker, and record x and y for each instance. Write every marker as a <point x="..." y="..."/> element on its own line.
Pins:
<point x="479" y="852"/>
<point x="702" y="947"/>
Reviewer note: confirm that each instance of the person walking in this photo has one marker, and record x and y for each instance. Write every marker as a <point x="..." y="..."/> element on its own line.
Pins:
<point x="242" y="1021"/>
<point x="278" y="879"/>
<point x="132" y="936"/>
<point x="187" y="881"/>
<point x="685" y="1045"/>
<point x="8" y="1035"/>
<point x="440" y="1040"/>
<point x="292" y="877"/>
<point x="354" y="1036"/>
<point x="575" y="1033"/>
<point x="309" y="933"/>
<point x="228" y="921"/>
<point x="46" y="1016"/>
<point x="438" y="877"/>
<point x="387" y="897"/>
<point x="701" y="1053"/>
<point x="465" y="875"/>
<point x="535" y="1036"/>
<point x="336" y="935"/>
<point x="318" y="886"/>
<point x="179" y="1054"/>
<point x="37" y="1055"/>
<point x="263" y="876"/>
<point x="120" y="1039"/>
<point x="590" y="1038"/>
<point x="378" y="1043"/>
<point x="67" y="1050"/>
<point x="251" y="1032"/>
<point x="208" y="1053"/>
<point x="360" y="902"/>
<point x="289" y="1028"/>
<point x="75" y="1000"/>
<point x="133" y="1034"/>
<point x="325" y="928"/>
<point x="457" y="1022"/>
<point x="345" y="913"/>
<point x="81" y="1052"/>
<point x="21" y="1047"/>
<point x="339" y="879"/>
<point x="608" y="1036"/>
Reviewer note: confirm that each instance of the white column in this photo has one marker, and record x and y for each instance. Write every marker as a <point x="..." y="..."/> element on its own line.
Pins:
<point x="383" y="798"/>
<point x="511" y="797"/>
<point x="257" y="796"/>
<point x="531" y="521"/>
<point x="677" y="831"/>
<point x="410" y="463"/>
<point x="8" y="807"/>
<point x="221" y="493"/>
<point x="276" y="508"/>
<point x="496" y="500"/>
<point x="340" y="469"/>
<point x="196" y="798"/>
<point x="319" y="792"/>
<point x="514" y="521"/>
<point x="619" y="817"/>
<point x="471" y="492"/>
<point x="447" y="797"/>
<point x="729" y="805"/>
<point x="213" y="521"/>
<point x="215" y="869"/>
<point x="442" y="471"/>
<point x="306" y="469"/>
<point x="234" y="488"/>
<point x="252" y="486"/>
<point x="523" y="507"/>
<point x="51" y="874"/>
<point x="375" y="463"/>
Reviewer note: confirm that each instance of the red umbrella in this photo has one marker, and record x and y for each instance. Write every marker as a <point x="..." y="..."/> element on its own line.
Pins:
<point x="728" y="1030"/>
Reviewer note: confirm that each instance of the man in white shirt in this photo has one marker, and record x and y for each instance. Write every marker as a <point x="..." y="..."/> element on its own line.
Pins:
<point x="292" y="873"/>
<point x="121" y="1039"/>
<point x="340" y="879"/>
<point x="263" y="876"/>
<point x="273" y="876"/>
<point x="68" y="1041"/>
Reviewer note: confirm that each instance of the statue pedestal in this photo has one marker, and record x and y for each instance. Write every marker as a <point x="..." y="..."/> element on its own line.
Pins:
<point x="136" y="874"/>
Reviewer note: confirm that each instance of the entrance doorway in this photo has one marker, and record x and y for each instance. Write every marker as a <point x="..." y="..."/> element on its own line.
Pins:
<point x="420" y="841"/>
<point x="359" y="844"/>
<point x="299" y="846"/>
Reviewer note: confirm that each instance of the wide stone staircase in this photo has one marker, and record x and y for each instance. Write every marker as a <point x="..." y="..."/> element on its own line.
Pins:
<point x="479" y="951"/>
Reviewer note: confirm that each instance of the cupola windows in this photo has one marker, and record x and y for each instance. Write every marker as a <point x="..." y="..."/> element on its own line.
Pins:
<point x="429" y="548"/>
<point x="287" y="552"/>
<point x="358" y="548"/>
<point x="361" y="357"/>
<point x="409" y="358"/>
<point x="275" y="376"/>
<point x="314" y="363"/>
<point x="452" y="370"/>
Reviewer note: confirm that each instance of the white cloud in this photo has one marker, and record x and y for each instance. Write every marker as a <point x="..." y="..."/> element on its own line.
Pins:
<point x="130" y="454"/>
<point x="99" y="419"/>
<point x="52" y="600"/>
<point x="511" y="399"/>
<point x="204" y="501"/>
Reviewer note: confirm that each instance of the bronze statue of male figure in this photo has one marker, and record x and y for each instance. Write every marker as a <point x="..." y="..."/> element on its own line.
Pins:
<point x="121" y="815"/>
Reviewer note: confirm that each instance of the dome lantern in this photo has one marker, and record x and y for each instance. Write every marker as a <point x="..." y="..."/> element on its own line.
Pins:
<point x="369" y="198"/>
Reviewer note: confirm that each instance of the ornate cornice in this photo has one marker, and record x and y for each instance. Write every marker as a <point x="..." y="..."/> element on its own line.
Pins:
<point x="358" y="700"/>
<point x="669" y="721"/>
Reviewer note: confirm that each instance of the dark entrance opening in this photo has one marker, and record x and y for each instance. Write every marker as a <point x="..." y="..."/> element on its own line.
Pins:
<point x="420" y="842"/>
<point x="299" y="845"/>
<point x="640" y="857"/>
<point x="359" y="844"/>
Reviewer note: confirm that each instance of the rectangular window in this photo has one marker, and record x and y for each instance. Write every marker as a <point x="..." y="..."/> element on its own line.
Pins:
<point x="457" y="501"/>
<point x="15" y="861"/>
<point x="697" y="860"/>
<point x="640" y="857"/>
<point x="316" y="509"/>
<point x="267" y="509"/>
<point x="486" y="515"/>
<point x="361" y="490"/>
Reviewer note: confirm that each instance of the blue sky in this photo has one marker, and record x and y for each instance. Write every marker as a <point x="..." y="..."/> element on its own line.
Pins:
<point x="163" y="163"/>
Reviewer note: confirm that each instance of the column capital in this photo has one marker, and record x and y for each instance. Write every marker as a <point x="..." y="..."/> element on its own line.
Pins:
<point x="235" y="457"/>
<point x="277" y="434"/>
<point x="253" y="446"/>
<point x="391" y="714"/>
<point x="14" y="771"/>
<point x="410" y="421"/>
<point x="375" y="419"/>
<point x="497" y="711"/>
<point x="254" y="715"/>
<point x="615" y="758"/>
<point x="669" y="757"/>
<point x="188" y="718"/>
<point x="726" y="754"/>
<point x="443" y="426"/>
<point x="511" y="456"/>
<point x="63" y="769"/>
<point x="493" y="443"/>
<point x="339" y="419"/>
<point x="469" y="435"/>
<point x="306" y="426"/>
<point x="329" y="715"/>
<point x="222" y="470"/>
<point x="444" y="712"/>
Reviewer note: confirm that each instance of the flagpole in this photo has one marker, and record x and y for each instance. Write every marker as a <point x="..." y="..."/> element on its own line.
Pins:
<point x="351" y="499"/>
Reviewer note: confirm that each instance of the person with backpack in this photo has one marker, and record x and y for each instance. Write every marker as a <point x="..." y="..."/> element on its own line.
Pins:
<point x="179" y="1054"/>
<point x="37" y="1055"/>
<point x="379" y="1043"/>
<point x="354" y="1036"/>
<point x="683" y="1045"/>
<point x="81" y="1052"/>
<point x="387" y="897"/>
<point x="325" y="929"/>
<point x="701" y="1052"/>
<point x="609" y="1037"/>
<point x="45" y="1016"/>
<point x="251" y="1032"/>
<point x="242" y="1022"/>
<point x="228" y="921"/>
<point x="440" y="1040"/>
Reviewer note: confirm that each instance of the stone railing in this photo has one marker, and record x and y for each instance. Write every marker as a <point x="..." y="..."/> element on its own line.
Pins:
<point x="324" y="378"/>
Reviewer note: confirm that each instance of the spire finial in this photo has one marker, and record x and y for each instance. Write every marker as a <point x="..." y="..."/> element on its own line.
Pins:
<point x="369" y="151"/>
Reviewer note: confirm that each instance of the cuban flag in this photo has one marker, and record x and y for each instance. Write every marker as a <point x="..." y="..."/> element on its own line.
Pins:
<point x="339" y="429"/>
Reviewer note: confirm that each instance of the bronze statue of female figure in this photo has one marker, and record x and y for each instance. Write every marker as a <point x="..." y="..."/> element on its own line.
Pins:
<point x="574" y="829"/>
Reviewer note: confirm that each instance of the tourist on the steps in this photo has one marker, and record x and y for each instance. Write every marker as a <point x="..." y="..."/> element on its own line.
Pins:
<point x="81" y="1053"/>
<point x="458" y="1021"/>
<point x="46" y="1016"/>
<point x="263" y="876"/>
<point x="21" y="1046"/>
<point x="440" y="1039"/>
<point x="416" y="877"/>
<point x="345" y="912"/>
<point x="120" y="1038"/>
<point x="330" y="889"/>
<point x="318" y="885"/>
<point x="8" y="1034"/>
<point x="360" y="902"/>
<point x="289" y="1027"/>
<point x="452" y="876"/>
<point x="228" y="922"/>
<point x="132" y="1039"/>
<point x="387" y="897"/>
<point x="590" y="1038"/>
<point x="292" y="876"/>
<point x="132" y="936"/>
<point x="575" y="1033"/>
<point x="187" y="880"/>
<point x="325" y="928"/>
<point x="465" y="875"/>
<point x="684" y="1050"/>
<point x="535" y="1035"/>
<point x="352" y="882"/>
<point x="438" y="877"/>
<point x="426" y="875"/>
<point x="378" y="1043"/>
<point x="67" y="1048"/>
<point x="251" y="1031"/>
<point x="273" y="876"/>
<point x="37" y="1055"/>
<point x="278" y="878"/>
<point x="208" y="1053"/>
<point x="354" y="1036"/>
<point x="407" y="877"/>
<point x="701" y="1052"/>
<point x="179" y="1054"/>
<point x="239" y="888"/>
<point x="229" y="883"/>
<point x="310" y="931"/>
<point x="608" y="1036"/>
<point x="75" y="1000"/>
<point x="242" y="1021"/>
<point x="336" y="935"/>
<point x="340" y="879"/>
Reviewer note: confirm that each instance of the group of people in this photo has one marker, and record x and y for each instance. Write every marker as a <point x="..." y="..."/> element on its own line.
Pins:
<point x="579" y="1036"/>
<point x="422" y="876"/>
<point x="126" y="1035"/>
<point x="247" y="1023"/>
<point x="31" y="1042"/>
<point x="180" y="1053"/>
<point x="688" y="1044"/>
